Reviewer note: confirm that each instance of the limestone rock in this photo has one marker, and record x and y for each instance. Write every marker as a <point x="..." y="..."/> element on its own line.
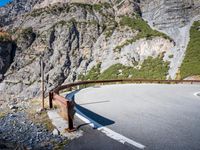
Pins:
<point x="72" y="36"/>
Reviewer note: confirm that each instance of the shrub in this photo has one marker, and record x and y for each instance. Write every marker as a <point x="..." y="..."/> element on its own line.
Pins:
<point x="138" y="24"/>
<point x="93" y="74"/>
<point x="151" y="68"/>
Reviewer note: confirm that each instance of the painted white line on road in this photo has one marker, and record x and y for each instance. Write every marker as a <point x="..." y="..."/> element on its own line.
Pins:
<point x="112" y="134"/>
<point x="197" y="94"/>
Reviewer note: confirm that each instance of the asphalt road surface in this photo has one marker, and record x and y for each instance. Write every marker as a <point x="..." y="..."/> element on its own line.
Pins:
<point x="156" y="116"/>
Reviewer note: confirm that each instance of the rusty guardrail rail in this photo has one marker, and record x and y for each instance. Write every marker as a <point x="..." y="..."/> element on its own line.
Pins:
<point x="67" y="106"/>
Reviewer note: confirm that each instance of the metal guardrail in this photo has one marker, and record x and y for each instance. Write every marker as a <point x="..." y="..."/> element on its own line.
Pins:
<point x="67" y="106"/>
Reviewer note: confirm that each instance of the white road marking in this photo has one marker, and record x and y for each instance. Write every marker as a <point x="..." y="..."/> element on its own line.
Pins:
<point x="112" y="134"/>
<point x="197" y="94"/>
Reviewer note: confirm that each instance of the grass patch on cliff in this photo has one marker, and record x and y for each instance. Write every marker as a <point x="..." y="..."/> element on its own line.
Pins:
<point x="93" y="74"/>
<point x="191" y="62"/>
<point x="145" y="31"/>
<point x="55" y="9"/>
<point x="138" y="24"/>
<point x="151" y="68"/>
<point x="96" y="7"/>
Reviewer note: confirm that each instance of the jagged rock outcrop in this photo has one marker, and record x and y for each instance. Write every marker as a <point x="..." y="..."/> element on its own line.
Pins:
<point x="61" y="34"/>
<point x="14" y="10"/>
<point x="165" y="14"/>
<point x="73" y="37"/>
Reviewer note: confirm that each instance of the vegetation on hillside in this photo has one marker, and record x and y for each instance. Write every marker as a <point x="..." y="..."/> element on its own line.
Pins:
<point x="138" y="24"/>
<point x="93" y="74"/>
<point x="55" y="9"/>
<point x="151" y="68"/>
<point x="58" y="9"/>
<point x="191" y="62"/>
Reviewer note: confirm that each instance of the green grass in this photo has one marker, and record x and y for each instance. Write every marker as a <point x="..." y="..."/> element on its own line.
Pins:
<point x="142" y="26"/>
<point x="97" y="7"/>
<point x="191" y="62"/>
<point x="55" y="9"/>
<point x="93" y="74"/>
<point x="138" y="24"/>
<point x="151" y="68"/>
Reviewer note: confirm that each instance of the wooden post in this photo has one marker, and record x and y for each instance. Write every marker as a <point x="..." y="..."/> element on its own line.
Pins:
<point x="70" y="117"/>
<point x="42" y="80"/>
<point x="50" y="100"/>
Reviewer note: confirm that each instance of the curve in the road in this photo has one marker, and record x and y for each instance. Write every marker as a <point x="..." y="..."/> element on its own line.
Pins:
<point x="165" y="117"/>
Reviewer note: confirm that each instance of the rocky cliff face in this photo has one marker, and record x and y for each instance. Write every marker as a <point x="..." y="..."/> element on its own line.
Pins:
<point x="72" y="37"/>
<point x="14" y="10"/>
<point x="173" y="17"/>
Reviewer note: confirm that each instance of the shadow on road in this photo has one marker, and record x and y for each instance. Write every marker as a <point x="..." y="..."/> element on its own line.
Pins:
<point x="94" y="118"/>
<point x="97" y="120"/>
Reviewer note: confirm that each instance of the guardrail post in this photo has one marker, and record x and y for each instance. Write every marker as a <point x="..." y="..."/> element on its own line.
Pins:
<point x="70" y="113"/>
<point x="50" y="100"/>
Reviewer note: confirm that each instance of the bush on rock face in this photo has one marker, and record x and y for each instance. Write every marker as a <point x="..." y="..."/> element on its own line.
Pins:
<point x="151" y="68"/>
<point x="191" y="62"/>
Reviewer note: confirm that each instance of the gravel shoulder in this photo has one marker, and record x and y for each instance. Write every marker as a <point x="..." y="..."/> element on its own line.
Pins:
<point x="24" y="126"/>
<point x="17" y="130"/>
